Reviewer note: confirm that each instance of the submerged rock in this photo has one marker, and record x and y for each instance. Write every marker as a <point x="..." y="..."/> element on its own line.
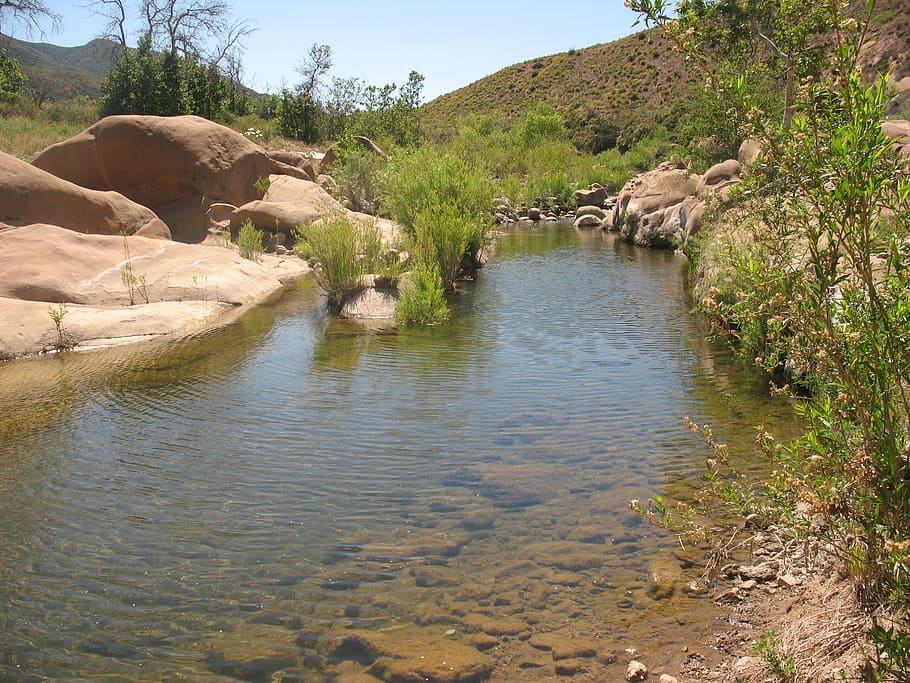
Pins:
<point x="409" y="654"/>
<point x="663" y="575"/>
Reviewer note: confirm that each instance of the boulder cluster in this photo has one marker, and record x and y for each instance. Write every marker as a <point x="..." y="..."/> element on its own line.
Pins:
<point x="133" y="213"/>
<point x="659" y="209"/>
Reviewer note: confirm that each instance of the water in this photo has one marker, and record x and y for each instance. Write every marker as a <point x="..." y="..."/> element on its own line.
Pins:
<point x="213" y="507"/>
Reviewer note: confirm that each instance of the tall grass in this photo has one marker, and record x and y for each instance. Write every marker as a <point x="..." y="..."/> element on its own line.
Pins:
<point x="27" y="128"/>
<point x="441" y="239"/>
<point x="426" y="183"/>
<point x="343" y="252"/>
<point x="421" y="299"/>
<point x="249" y="241"/>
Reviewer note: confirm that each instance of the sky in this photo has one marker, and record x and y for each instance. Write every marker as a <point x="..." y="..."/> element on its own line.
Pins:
<point x="451" y="43"/>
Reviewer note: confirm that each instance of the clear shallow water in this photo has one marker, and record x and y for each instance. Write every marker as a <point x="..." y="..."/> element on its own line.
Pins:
<point x="164" y="507"/>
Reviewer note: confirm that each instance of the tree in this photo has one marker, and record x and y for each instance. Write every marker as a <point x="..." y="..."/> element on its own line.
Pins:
<point x="389" y="113"/>
<point x="11" y="77"/>
<point x="115" y="14"/>
<point x="28" y="12"/>
<point x="187" y="60"/>
<point x="299" y="112"/>
<point x="200" y="29"/>
<point x="341" y="103"/>
<point x="312" y="68"/>
<point x="785" y="39"/>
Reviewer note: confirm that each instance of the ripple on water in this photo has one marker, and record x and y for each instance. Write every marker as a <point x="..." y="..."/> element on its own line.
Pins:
<point x="168" y="510"/>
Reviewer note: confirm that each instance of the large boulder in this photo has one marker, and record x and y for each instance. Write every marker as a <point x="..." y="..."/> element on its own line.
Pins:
<point x="30" y="195"/>
<point x="290" y="203"/>
<point x="663" y="208"/>
<point x="287" y="204"/>
<point x="594" y="196"/>
<point x="295" y="160"/>
<point x="162" y="161"/>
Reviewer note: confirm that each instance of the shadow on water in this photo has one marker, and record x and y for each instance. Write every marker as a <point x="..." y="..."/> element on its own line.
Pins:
<point x="217" y="506"/>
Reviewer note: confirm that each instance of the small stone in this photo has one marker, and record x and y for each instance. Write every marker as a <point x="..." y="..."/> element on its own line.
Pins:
<point x="451" y="632"/>
<point x="695" y="588"/>
<point x="748" y="585"/>
<point x="636" y="671"/>
<point x="767" y="571"/>
<point x="667" y="678"/>
<point x="788" y="580"/>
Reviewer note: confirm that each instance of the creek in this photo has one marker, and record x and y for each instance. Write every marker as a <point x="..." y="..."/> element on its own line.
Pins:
<point x="213" y="507"/>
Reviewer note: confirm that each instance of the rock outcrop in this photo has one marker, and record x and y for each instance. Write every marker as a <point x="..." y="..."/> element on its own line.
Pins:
<point x="31" y="195"/>
<point x="64" y="222"/>
<point x="119" y="288"/>
<point x="663" y="208"/>
<point x="180" y="163"/>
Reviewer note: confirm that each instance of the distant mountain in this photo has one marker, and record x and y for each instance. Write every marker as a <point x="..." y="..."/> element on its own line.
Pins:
<point x="56" y="73"/>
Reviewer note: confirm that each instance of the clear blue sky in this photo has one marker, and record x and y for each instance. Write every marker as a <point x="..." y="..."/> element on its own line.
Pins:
<point x="452" y="43"/>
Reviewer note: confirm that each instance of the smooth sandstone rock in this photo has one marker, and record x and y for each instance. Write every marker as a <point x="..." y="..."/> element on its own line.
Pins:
<point x="188" y="287"/>
<point x="162" y="162"/>
<point x="31" y="195"/>
<point x="158" y="160"/>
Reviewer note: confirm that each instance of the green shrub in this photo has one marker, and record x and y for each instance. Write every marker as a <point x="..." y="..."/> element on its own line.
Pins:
<point x="822" y="285"/>
<point x="422" y="299"/>
<point x="249" y="241"/>
<point x="425" y="181"/>
<point x="343" y="252"/>
<point x="357" y="172"/>
<point x="441" y="239"/>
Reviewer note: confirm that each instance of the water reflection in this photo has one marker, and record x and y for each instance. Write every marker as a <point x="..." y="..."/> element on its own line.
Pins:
<point x="225" y="506"/>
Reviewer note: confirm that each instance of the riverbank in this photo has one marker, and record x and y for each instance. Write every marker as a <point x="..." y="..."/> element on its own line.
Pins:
<point x="792" y="615"/>
<point x="60" y="289"/>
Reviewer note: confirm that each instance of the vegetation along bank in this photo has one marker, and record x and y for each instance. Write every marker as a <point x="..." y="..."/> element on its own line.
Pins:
<point x="777" y="163"/>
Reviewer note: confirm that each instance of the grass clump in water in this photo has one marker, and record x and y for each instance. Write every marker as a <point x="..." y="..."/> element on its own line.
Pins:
<point x="342" y="252"/>
<point x="422" y="299"/>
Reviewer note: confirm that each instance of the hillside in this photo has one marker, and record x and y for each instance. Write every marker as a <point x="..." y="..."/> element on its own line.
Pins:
<point x="57" y="73"/>
<point x="627" y="85"/>
<point x="633" y="81"/>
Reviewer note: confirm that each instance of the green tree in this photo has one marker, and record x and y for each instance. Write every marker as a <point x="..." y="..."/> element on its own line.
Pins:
<point x="786" y="40"/>
<point x="388" y="113"/>
<point x="11" y="77"/>
<point x="144" y="81"/>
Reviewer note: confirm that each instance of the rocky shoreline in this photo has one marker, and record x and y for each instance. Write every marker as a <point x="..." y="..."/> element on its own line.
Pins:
<point x="122" y="233"/>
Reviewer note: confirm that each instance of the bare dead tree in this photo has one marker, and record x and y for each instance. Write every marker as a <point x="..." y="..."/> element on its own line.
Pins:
<point x="188" y="28"/>
<point x="226" y="52"/>
<point x="30" y="13"/>
<point x="115" y="13"/>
